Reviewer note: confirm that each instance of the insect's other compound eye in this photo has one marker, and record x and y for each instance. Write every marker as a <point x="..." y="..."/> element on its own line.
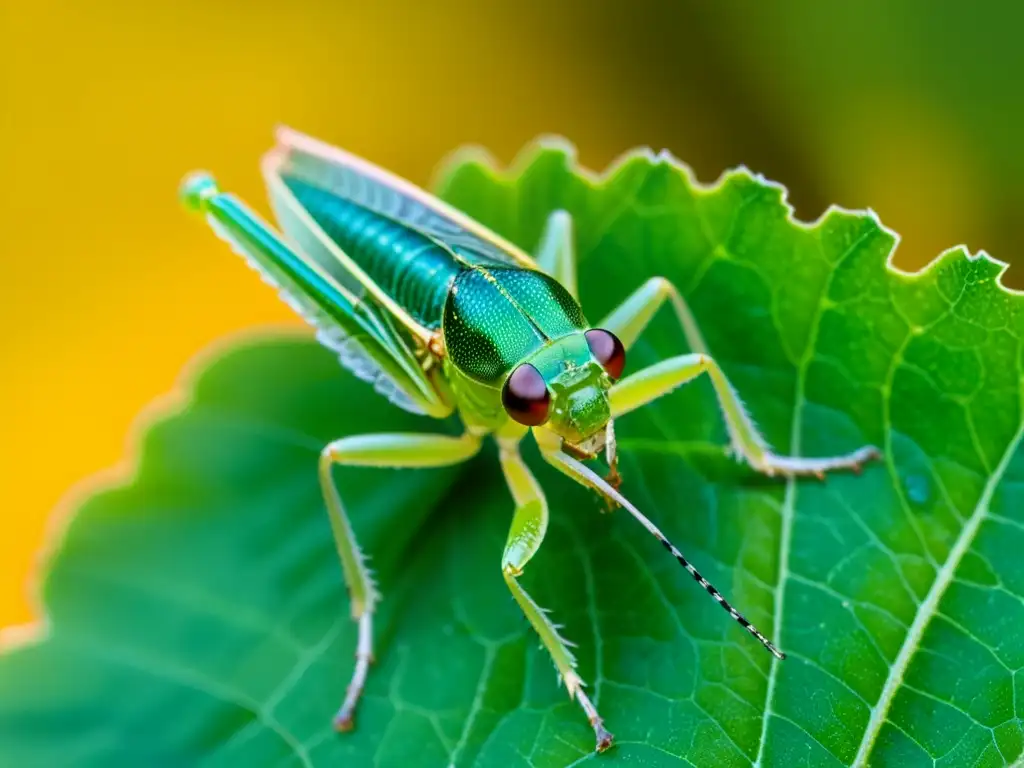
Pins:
<point x="526" y="397"/>
<point x="607" y="350"/>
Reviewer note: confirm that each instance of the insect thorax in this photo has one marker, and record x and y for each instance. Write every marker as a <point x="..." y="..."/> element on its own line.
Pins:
<point x="495" y="317"/>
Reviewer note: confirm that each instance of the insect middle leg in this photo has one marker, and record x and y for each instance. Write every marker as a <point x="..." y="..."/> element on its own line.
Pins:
<point x="629" y="320"/>
<point x="529" y="524"/>
<point x="382" y="450"/>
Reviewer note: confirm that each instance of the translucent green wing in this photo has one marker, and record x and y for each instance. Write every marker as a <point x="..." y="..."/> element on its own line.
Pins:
<point x="355" y="179"/>
<point x="365" y="339"/>
<point x="301" y="228"/>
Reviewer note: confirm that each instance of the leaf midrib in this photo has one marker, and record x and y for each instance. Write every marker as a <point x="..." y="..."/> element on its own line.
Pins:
<point x="788" y="509"/>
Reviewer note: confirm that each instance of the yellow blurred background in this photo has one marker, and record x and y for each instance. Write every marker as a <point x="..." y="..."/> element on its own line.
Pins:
<point x="108" y="289"/>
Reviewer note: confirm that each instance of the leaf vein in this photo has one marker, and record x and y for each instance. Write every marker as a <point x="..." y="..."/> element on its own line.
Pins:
<point x="929" y="607"/>
<point x="788" y="510"/>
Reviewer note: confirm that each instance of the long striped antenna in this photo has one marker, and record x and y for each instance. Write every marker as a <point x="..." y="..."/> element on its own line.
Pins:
<point x="708" y="586"/>
<point x="582" y="473"/>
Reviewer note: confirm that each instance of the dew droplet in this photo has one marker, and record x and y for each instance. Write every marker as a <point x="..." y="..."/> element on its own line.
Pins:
<point x="918" y="490"/>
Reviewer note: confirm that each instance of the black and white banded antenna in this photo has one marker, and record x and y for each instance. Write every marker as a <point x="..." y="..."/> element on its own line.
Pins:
<point x="604" y="488"/>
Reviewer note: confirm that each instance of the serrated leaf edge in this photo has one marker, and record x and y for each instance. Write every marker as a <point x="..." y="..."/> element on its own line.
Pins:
<point x="926" y="610"/>
<point x="477" y="154"/>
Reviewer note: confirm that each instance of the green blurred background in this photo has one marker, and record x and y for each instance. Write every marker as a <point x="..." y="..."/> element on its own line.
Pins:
<point x="914" y="109"/>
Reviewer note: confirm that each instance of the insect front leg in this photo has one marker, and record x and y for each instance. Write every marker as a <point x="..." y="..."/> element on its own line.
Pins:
<point x="383" y="450"/>
<point x="529" y="524"/>
<point x="629" y="320"/>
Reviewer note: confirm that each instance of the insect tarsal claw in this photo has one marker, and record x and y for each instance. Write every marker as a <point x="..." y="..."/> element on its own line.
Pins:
<point x="344" y="723"/>
<point x="604" y="737"/>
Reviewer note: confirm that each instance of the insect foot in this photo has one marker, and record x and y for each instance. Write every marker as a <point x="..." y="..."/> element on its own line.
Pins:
<point x="603" y="736"/>
<point x="345" y="720"/>
<point x="792" y="466"/>
<point x="870" y="454"/>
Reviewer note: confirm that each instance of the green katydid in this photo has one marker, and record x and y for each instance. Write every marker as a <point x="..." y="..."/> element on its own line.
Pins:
<point x="442" y="315"/>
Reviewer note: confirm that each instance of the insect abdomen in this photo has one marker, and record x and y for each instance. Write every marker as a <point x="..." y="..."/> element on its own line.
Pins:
<point x="407" y="265"/>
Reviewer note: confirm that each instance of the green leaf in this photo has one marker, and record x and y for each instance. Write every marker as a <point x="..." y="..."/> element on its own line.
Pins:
<point x="197" y="613"/>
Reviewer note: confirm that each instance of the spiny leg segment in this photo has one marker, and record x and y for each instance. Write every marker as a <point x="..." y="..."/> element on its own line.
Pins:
<point x="661" y="378"/>
<point x="552" y="453"/>
<point x="382" y="450"/>
<point x="628" y="322"/>
<point x="529" y="524"/>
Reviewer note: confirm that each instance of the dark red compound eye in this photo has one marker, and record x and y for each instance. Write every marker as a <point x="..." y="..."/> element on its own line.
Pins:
<point x="526" y="397"/>
<point x="607" y="350"/>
